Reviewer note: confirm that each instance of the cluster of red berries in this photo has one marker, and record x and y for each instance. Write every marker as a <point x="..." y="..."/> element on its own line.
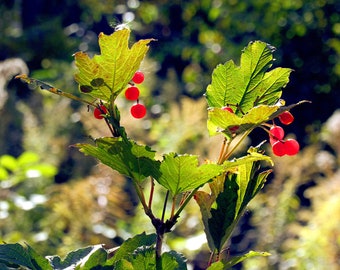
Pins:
<point x="282" y="147"/>
<point x="131" y="93"/>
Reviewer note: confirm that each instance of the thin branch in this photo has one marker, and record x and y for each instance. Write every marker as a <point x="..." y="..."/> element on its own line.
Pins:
<point x="151" y="191"/>
<point x="164" y="206"/>
<point x="229" y="153"/>
<point x="173" y="206"/>
<point x="182" y="206"/>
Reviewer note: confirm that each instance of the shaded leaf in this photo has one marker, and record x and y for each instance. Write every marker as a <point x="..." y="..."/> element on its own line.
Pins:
<point x="15" y="254"/>
<point x="75" y="258"/>
<point x="230" y="194"/>
<point x="125" y="156"/>
<point x="37" y="260"/>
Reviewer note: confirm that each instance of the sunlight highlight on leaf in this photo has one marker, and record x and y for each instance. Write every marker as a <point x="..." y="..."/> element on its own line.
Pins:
<point x="113" y="68"/>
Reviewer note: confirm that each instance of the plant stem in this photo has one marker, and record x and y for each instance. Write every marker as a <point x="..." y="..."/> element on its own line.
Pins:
<point x="151" y="191"/>
<point x="159" y="243"/>
<point x="182" y="206"/>
<point x="164" y="206"/>
<point x="229" y="153"/>
<point x="173" y="207"/>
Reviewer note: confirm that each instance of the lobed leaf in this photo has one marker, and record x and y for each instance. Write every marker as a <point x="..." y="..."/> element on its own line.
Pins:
<point x="131" y="244"/>
<point x="222" y="121"/>
<point x="180" y="173"/>
<point x="80" y="258"/>
<point x="125" y="156"/>
<point x="106" y="75"/>
<point x="248" y="85"/>
<point x="15" y="254"/>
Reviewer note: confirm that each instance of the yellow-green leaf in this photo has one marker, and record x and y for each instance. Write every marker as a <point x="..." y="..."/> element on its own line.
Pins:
<point x="104" y="76"/>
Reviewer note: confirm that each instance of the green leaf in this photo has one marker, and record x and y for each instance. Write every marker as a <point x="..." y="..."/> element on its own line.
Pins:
<point x="230" y="194"/>
<point x="223" y="121"/>
<point x="15" y="254"/>
<point x="130" y="245"/>
<point x="248" y="85"/>
<point x="97" y="258"/>
<point x="173" y="260"/>
<point x="125" y="156"/>
<point x="180" y="173"/>
<point x="144" y="258"/>
<point x="106" y="75"/>
<point x="223" y="265"/>
<point x="77" y="258"/>
<point x="37" y="260"/>
<point x="205" y="200"/>
<point x="123" y="264"/>
<point x="239" y="189"/>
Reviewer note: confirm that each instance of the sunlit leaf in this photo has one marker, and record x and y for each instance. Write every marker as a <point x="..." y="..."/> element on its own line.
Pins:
<point x="131" y="244"/>
<point x="248" y="85"/>
<point x="180" y="173"/>
<point x="143" y="258"/>
<point x="173" y="260"/>
<point x="223" y="121"/>
<point x="223" y="265"/>
<point x="104" y="76"/>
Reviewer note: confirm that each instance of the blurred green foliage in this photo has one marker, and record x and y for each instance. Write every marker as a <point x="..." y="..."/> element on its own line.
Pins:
<point x="193" y="37"/>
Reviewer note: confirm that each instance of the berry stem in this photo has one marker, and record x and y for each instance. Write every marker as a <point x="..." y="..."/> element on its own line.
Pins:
<point x="230" y="152"/>
<point x="164" y="205"/>
<point x="151" y="191"/>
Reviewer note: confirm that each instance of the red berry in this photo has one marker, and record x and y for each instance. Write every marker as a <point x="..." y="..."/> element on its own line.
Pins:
<point x="99" y="112"/>
<point x="138" y="77"/>
<point x="132" y="93"/>
<point x="233" y="129"/>
<point x="286" y="118"/>
<point x="279" y="148"/>
<point x="138" y="111"/>
<point x="227" y="108"/>
<point x="292" y="147"/>
<point x="276" y="133"/>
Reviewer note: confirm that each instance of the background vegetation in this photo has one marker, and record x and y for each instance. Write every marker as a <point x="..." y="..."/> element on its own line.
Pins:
<point x="57" y="200"/>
